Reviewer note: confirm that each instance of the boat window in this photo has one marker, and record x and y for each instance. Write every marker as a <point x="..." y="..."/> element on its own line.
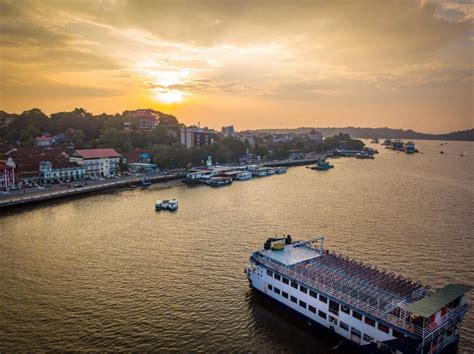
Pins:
<point x="369" y="321"/>
<point x="292" y="298"/>
<point x="313" y="294"/>
<point x="346" y="309"/>
<point x="312" y="309"/>
<point x="383" y="328"/>
<point x="285" y="295"/>
<point x="286" y="281"/>
<point x="323" y="299"/>
<point x="356" y="332"/>
<point x="270" y="287"/>
<point x="357" y="315"/>
<point x="344" y="326"/>
<point x="333" y="307"/>
<point x="277" y="277"/>
<point x="397" y="334"/>
<point x="302" y="304"/>
<point x="333" y="320"/>
<point x="276" y="290"/>
<point x="294" y="285"/>
<point x="269" y="273"/>
<point x="368" y="338"/>
<point x="322" y="314"/>
<point x="303" y="289"/>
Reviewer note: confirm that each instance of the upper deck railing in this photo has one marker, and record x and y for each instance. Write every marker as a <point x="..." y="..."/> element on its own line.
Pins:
<point x="392" y="313"/>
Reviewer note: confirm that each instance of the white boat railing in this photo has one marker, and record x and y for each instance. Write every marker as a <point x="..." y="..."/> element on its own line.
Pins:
<point x="385" y="314"/>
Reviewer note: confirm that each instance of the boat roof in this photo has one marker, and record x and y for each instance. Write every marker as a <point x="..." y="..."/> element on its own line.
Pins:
<point x="431" y="304"/>
<point x="291" y="254"/>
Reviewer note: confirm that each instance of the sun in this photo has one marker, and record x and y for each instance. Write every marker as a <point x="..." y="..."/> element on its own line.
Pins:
<point x="168" y="96"/>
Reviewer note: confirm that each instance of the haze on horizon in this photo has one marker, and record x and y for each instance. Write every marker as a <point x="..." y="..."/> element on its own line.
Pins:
<point x="264" y="64"/>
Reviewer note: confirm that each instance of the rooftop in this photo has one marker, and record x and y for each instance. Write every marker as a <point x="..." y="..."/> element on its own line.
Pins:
<point x="96" y="153"/>
<point x="291" y="254"/>
<point x="436" y="301"/>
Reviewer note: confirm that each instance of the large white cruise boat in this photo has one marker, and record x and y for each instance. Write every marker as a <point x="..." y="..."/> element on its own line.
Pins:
<point x="373" y="308"/>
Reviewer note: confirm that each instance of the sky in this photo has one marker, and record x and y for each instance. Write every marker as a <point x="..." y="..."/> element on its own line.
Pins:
<point x="254" y="64"/>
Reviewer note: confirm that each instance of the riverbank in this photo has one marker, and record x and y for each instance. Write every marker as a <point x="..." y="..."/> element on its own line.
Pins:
<point x="31" y="196"/>
<point x="34" y="196"/>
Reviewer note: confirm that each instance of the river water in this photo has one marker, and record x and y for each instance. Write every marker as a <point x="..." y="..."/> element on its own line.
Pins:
<point x="108" y="272"/>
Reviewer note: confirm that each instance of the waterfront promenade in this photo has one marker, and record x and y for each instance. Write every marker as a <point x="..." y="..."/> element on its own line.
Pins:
<point x="32" y="195"/>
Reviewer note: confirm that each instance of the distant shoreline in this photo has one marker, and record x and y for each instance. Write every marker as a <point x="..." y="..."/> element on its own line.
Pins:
<point x="380" y="133"/>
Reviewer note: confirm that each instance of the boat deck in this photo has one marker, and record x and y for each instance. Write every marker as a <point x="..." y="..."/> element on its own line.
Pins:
<point x="374" y="287"/>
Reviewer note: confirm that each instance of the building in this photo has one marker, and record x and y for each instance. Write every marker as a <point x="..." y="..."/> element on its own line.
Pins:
<point x="194" y="136"/>
<point x="248" y="137"/>
<point x="98" y="162"/>
<point x="228" y="131"/>
<point x="7" y="174"/>
<point x="143" y="119"/>
<point x="315" y="135"/>
<point x="281" y="138"/>
<point x="295" y="155"/>
<point x="61" y="170"/>
<point x="44" y="141"/>
<point x="138" y="160"/>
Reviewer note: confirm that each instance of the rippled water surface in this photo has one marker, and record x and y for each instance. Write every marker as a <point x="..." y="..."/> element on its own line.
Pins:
<point x="108" y="272"/>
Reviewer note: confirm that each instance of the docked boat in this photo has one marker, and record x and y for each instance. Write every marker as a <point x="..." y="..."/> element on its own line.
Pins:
<point x="243" y="176"/>
<point x="261" y="172"/>
<point x="322" y="166"/>
<point x="375" y="141"/>
<point x="281" y="170"/>
<point x="219" y="181"/>
<point x="145" y="182"/>
<point x="173" y="204"/>
<point x="410" y="147"/>
<point x="364" y="156"/>
<point x="164" y="204"/>
<point x="376" y="309"/>
<point x="387" y="142"/>
<point x="271" y="171"/>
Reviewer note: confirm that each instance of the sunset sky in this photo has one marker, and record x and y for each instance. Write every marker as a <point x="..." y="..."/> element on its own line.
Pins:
<point x="253" y="64"/>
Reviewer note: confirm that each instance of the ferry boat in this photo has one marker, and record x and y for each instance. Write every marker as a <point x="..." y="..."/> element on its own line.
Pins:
<point x="219" y="181"/>
<point x="373" y="308"/>
<point x="260" y="172"/>
<point x="243" y="176"/>
<point x="271" y="171"/>
<point x="410" y="147"/>
<point x="281" y="170"/>
<point x="322" y="166"/>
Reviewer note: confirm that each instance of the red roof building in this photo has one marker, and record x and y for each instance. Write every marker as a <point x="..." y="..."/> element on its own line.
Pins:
<point x="98" y="162"/>
<point x="96" y="153"/>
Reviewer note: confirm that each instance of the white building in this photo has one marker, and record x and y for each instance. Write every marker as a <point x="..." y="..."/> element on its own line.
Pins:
<point x="228" y="131"/>
<point x="61" y="170"/>
<point x="97" y="162"/>
<point x="315" y="135"/>
<point x="248" y="137"/>
<point x="194" y="136"/>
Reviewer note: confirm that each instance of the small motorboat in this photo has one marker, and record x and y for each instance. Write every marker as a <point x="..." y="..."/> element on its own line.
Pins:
<point x="173" y="204"/>
<point x="164" y="204"/>
<point x="271" y="171"/>
<point x="322" y="166"/>
<point x="158" y="205"/>
<point x="281" y="170"/>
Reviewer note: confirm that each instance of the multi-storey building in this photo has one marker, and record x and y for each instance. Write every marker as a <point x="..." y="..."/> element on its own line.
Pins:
<point x="97" y="162"/>
<point x="228" y="131"/>
<point x="7" y="175"/>
<point x="194" y="136"/>
<point x="61" y="170"/>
